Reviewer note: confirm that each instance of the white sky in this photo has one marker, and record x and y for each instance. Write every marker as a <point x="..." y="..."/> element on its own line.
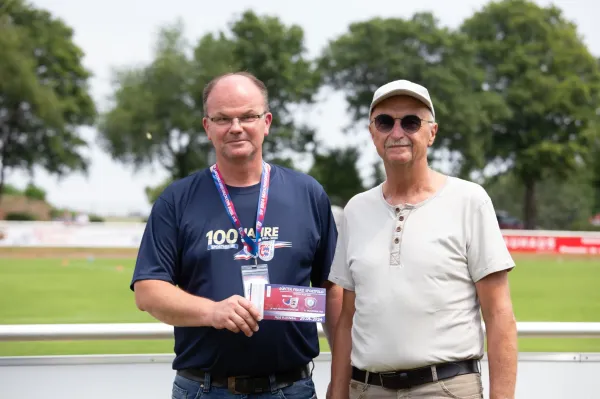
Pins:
<point x="116" y="33"/>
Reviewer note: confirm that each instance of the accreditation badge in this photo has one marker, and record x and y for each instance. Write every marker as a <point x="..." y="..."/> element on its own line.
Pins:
<point x="254" y="274"/>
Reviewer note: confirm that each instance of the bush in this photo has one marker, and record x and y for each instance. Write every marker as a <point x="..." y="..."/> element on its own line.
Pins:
<point x="20" y="216"/>
<point x="9" y="189"/>
<point x="56" y="213"/>
<point x="96" y="218"/>
<point x="35" y="192"/>
<point x="583" y="225"/>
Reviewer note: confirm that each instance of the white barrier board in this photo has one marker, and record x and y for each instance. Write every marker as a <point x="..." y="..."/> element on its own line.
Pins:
<point x="129" y="235"/>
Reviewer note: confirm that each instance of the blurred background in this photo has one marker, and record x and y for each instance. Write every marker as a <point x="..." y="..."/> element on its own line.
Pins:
<point x="100" y="109"/>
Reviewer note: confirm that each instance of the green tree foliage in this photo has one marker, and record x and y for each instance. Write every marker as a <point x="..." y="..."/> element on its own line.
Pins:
<point x="562" y="204"/>
<point x="378" y="174"/>
<point x="536" y="61"/>
<point x="35" y="192"/>
<point x="379" y="50"/>
<point x="154" y="117"/>
<point x="337" y="172"/>
<point x="152" y="193"/>
<point x="43" y="93"/>
<point x="156" y="114"/>
<point x="9" y="189"/>
<point x="595" y="175"/>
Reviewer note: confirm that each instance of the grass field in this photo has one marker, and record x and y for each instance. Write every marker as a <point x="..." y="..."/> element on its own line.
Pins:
<point x="69" y="288"/>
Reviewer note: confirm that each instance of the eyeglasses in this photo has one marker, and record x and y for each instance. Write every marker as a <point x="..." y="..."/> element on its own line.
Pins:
<point x="225" y="121"/>
<point x="409" y="123"/>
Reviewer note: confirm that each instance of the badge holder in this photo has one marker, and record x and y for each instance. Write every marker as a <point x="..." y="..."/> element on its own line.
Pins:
<point x="257" y="297"/>
<point x="254" y="274"/>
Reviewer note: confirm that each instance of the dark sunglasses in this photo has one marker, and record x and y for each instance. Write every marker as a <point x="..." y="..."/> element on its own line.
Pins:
<point x="409" y="123"/>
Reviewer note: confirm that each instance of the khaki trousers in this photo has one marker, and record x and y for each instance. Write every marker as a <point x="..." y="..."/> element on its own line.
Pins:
<point x="466" y="386"/>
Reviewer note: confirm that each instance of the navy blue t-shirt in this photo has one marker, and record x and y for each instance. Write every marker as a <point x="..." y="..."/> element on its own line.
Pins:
<point x="191" y="242"/>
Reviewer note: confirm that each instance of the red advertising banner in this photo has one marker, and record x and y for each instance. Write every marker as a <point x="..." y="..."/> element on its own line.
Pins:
<point x="553" y="244"/>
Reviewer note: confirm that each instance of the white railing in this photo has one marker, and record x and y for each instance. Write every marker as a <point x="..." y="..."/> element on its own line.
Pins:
<point x="121" y="331"/>
<point x="547" y="375"/>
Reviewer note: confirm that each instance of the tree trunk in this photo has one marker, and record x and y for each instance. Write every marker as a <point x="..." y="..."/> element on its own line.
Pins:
<point x="530" y="206"/>
<point x="182" y="168"/>
<point x="2" y="179"/>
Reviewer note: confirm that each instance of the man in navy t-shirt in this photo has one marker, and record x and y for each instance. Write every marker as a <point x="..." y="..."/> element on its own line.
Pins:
<point x="201" y="233"/>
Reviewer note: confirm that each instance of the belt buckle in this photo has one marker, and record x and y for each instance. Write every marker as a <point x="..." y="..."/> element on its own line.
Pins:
<point x="401" y="376"/>
<point x="247" y="385"/>
<point x="231" y="385"/>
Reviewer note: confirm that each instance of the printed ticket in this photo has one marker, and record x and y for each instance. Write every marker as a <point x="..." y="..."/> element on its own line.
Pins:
<point x="289" y="302"/>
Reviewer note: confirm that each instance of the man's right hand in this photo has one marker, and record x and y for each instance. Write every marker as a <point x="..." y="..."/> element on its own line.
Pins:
<point x="236" y="314"/>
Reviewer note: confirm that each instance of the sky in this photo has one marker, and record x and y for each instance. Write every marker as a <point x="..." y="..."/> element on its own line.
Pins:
<point x="117" y="33"/>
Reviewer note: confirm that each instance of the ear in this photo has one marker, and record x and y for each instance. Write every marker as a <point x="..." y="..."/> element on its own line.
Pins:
<point x="371" y="130"/>
<point x="205" y="125"/>
<point x="434" y="129"/>
<point x="268" y="121"/>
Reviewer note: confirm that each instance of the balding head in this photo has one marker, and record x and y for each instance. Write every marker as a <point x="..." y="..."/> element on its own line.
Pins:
<point x="236" y="85"/>
<point x="236" y="117"/>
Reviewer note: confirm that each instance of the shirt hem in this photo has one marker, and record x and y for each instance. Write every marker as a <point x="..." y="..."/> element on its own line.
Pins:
<point x="341" y="282"/>
<point x="149" y="277"/>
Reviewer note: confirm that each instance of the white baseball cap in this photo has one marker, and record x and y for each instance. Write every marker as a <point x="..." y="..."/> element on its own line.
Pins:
<point x="402" y="87"/>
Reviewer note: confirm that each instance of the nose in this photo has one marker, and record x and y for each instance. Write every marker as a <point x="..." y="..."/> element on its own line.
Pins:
<point x="397" y="131"/>
<point x="236" y="127"/>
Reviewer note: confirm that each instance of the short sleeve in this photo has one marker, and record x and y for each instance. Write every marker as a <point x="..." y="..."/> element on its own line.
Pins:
<point x="340" y="269"/>
<point x="328" y="238"/>
<point x="158" y="255"/>
<point x="487" y="251"/>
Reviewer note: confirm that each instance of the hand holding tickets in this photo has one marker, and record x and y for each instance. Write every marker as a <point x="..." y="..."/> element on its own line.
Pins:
<point x="288" y="302"/>
<point x="236" y="314"/>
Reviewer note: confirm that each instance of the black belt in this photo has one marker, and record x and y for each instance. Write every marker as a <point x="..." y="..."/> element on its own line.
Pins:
<point x="249" y="384"/>
<point x="409" y="378"/>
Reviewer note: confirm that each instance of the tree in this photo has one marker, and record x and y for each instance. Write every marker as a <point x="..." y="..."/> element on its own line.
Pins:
<point x="157" y="110"/>
<point x="378" y="174"/>
<point x="536" y="61"/>
<point x="378" y="50"/>
<point x="152" y="193"/>
<point x="43" y="93"/>
<point x="595" y="175"/>
<point x="562" y="204"/>
<point x="337" y="172"/>
<point x="154" y="117"/>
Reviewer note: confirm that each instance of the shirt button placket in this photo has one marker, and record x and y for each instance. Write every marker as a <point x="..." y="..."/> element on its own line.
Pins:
<point x="397" y="238"/>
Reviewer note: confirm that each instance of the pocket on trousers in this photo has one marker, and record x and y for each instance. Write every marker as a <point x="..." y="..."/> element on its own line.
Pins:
<point x="357" y="389"/>
<point x="466" y="386"/>
<point x="303" y="389"/>
<point x="178" y="392"/>
<point x="184" y="388"/>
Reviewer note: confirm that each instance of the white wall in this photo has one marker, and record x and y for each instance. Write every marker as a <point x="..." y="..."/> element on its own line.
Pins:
<point x="540" y="375"/>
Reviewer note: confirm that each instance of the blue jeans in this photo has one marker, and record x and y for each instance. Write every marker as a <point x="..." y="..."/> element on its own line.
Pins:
<point x="184" y="388"/>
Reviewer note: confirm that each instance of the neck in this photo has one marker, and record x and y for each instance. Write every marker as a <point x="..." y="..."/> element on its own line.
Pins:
<point x="241" y="174"/>
<point x="407" y="182"/>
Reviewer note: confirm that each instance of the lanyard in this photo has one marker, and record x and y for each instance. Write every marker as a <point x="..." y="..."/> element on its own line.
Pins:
<point x="251" y="245"/>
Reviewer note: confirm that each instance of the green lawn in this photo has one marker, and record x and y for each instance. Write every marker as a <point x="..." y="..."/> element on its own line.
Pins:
<point x="82" y="291"/>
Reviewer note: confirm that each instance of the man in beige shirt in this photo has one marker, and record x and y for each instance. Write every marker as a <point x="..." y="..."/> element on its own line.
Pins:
<point x="419" y="257"/>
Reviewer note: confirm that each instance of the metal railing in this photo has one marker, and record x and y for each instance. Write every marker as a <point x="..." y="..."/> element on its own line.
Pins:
<point x="133" y="331"/>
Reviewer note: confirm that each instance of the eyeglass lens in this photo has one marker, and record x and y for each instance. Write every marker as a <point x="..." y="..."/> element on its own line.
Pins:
<point x="385" y="123"/>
